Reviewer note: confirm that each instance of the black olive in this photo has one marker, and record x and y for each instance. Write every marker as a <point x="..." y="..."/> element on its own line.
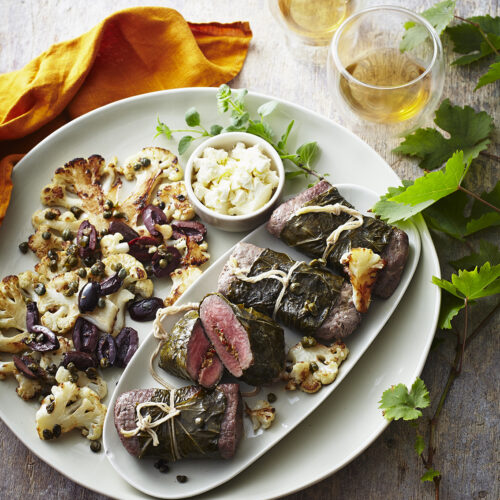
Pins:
<point x="88" y="261"/>
<point x="145" y="309"/>
<point x="88" y="297"/>
<point x="79" y="360"/>
<point x="151" y="216"/>
<point x="85" y="336"/>
<point x="127" y="342"/>
<point x="32" y="316"/>
<point x="106" y="351"/>
<point x="23" y="247"/>
<point x="193" y="229"/>
<point x="48" y="342"/>
<point x="112" y="284"/>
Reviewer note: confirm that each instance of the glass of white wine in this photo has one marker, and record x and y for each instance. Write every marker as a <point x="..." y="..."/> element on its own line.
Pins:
<point x="310" y="24"/>
<point x="374" y="78"/>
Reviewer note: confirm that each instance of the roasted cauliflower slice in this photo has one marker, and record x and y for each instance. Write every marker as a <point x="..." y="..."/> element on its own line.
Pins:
<point x="177" y="204"/>
<point x="262" y="414"/>
<point x="70" y="407"/>
<point x="27" y="388"/>
<point x="362" y="266"/>
<point x="97" y="384"/>
<point x="41" y="246"/>
<point x="12" y="305"/>
<point x="314" y="366"/>
<point x="182" y="278"/>
<point x="112" y="244"/>
<point x="136" y="274"/>
<point x="52" y="219"/>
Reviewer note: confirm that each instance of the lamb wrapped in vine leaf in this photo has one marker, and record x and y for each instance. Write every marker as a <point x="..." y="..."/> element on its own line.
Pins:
<point x="316" y="302"/>
<point x="309" y="232"/>
<point x="187" y="352"/>
<point x="210" y="423"/>
<point x="250" y="344"/>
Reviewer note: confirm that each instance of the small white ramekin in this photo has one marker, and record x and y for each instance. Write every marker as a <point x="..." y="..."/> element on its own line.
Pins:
<point x="235" y="223"/>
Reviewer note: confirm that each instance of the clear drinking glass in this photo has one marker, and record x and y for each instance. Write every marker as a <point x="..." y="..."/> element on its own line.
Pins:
<point x="310" y="24"/>
<point x="374" y="80"/>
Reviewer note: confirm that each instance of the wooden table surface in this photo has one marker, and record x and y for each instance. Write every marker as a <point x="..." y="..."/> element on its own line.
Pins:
<point x="468" y="431"/>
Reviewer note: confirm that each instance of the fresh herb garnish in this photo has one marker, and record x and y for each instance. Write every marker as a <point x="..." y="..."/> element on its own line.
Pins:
<point x="397" y="402"/>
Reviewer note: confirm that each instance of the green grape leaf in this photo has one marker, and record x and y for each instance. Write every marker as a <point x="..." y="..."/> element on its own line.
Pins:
<point x="162" y="128"/>
<point x="447" y="215"/>
<point x="430" y="475"/>
<point x="419" y="444"/>
<point x="398" y="403"/>
<point x="184" y="143"/>
<point x="488" y="252"/>
<point x="439" y="15"/>
<point x="483" y="216"/>
<point x="267" y="108"/>
<point x="450" y="307"/>
<point x="480" y="282"/>
<point x="491" y="76"/>
<point x="469" y="131"/>
<point x="192" y="117"/>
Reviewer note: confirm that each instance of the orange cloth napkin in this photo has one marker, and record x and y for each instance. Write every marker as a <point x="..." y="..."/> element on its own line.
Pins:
<point x="134" y="51"/>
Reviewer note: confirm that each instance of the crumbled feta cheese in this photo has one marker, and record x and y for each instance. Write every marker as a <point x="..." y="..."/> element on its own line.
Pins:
<point x="238" y="182"/>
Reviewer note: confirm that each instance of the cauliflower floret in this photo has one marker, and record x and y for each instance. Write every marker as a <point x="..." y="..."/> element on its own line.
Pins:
<point x="362" y="265"/>
<point x="177" y="205"/>
<point x="12" y="305"/>
<point x="55" y="357"/>
<point x="113" y="244"/>
<point x="55" y="221"/>
<point x="40" y="246"/>
<point x="314" y="366"/>
<point x="182" y="278"/>
<point x="159" y="158"/>
<point x="97" y="384"/>
<point x="27" y="388"/>
<point x="70" y="407"/>
<point x="262" y="415"/>
<point x="196" y="253"/>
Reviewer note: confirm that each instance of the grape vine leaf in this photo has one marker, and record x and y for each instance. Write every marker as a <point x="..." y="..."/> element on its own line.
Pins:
<point x="471" y="285"/>
<point x="419" y="444"/>
<point x="447" y="215"/>
<point x="483" y="216"/>
<point x="439" y="15"/>
<point x="403" y="202"/>
<point x="469" y="131"/>
<point x="488" y="252"/>
<point x="429" y="475"/>
<point x="450" y="307"/>
<point x="467" y="38"/>
<point x="397" y="402"/>
<point x="491" y="76"/>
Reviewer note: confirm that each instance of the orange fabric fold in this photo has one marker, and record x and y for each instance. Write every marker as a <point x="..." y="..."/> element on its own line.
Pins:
<point x="134" y="51"/>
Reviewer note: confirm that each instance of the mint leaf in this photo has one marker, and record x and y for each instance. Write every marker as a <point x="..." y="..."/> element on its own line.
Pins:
<point x="239" y="121"/>
<point x="307" y="152"/>
<point x="284" y="138"/>
<point x="398" y="403"/>
<point x="488" y="252"/>
<point x="450" y="307"/>
<point x="430" y="475"/>
<point x="439" y="15"/>
<point x="469" y="131"/>
<point x="474" y="284"/>
<point x="261" y="129"/>
<point x="192" y="117"/>
<point x="184" y="143"/>
<point x="162" y="128"/>
<point x="419" y="444"/>
<point x="492" y="75"/>
<point x="267" y="108"/>
<point x="215" y="129"/>
<point x="223" y="96"/>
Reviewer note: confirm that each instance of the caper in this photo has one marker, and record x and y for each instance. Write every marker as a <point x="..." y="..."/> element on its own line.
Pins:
<point x="117" y="266"/>
<point x="73" y="378"/>
<point x="161" y="205"/>
<point x="199" y="421"/>
<point x="67" y="235"/>
<point x="88" y="261"/>
<point x="84" y="241"/>
<point x="91" y="373"/>
<point x="101" y="303"/>
<point x="69" y="292"/>
<point x="71" y="366"/>
<point x="53" y="265"/>
<point x="271" y="397"/>
<point x="71" y="250"/>
<point x="137" y="166"/>
<point x="24" y="247"/>
<point x="122" y="273"/>
<point x="104" y="232"/>
<point x="149" y="270"/>
<point x="40" y="338"/>
<point x="47" y="434"/>
<point x="76" y="211"/>
<point x="40" y="289"/>
<point x="46" y="235"/>
<point x="118" y="215"/>
<point x="308" y="342"/>
<point x="131" y="288"/>
<point x="73" y="261"/>
<point x="52" y="254"/>
<point x="52" y="369"/>
<point x="181" y="478"/>
<point x="313" y="366"/>
<point x="104" y="362"/>
<point x="56" y="430"/>
<point x="295" y="287"/>
<point x="50" y="215"/>
<point x="33" y="366"/>
<point x="163" y="263"/>
<point x="108" y="204"/>
<point x="82" y="272"/>
<point x="145" y="162"/>
<point x="107" y="214"/>
<point x="95" y="446"/>
<point x="94" y="270"/>
<point x="50" y="407"/>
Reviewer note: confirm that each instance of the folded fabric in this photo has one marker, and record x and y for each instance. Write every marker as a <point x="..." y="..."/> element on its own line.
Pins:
<point x="134" y="51"/>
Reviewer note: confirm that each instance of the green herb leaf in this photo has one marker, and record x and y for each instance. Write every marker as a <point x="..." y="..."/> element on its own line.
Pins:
<point x="469" y="131"/>
<point x="267" y="108"/>
<point x="474" y="284"/>
<point x="419" y="444"/>
<point x="450" y="307"/>
<point x="307" y="152"/>
<point x="261" y="129"/>
<point x="430" y="475"/>
<point x="488" y="252"/>
<point x="223" y="96"/>
<point x="492" y="75"/>
<point x="398" y="403"/>
<point x="239" y="121"/>
<point x="184" y="144"/>
<point x="439" y="15"/>
<point x="162" y="128"/>
<point x="192" y="117"/>
<point x="467" y="38"/>
<point x="284" y="138"/>
<point x="215" y="129"/>
<point x="295" y="173"/>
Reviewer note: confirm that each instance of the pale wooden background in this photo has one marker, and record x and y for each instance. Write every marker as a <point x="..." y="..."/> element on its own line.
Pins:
<point x="468" y="431"/>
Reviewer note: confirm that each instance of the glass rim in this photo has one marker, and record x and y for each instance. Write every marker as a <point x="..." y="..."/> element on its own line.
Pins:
<point x="432" y="32"/>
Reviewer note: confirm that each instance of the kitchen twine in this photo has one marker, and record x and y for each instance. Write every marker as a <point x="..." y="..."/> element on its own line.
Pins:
<point x="354" y="222"/>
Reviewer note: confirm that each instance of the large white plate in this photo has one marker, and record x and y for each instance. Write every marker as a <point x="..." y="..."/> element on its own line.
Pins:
<point x="348" y="421"/>
<point x="291" y="407"/>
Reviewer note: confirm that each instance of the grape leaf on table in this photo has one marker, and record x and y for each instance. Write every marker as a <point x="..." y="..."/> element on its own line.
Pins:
<point x="480" y="282"/>
<point x="467" y="38"/>
<point x="488" y="252"/>
<point x="469" y="131"/>
<point x="398" y="403"/>
<point x="439" y="15"/>
<point x="492" y="75"/>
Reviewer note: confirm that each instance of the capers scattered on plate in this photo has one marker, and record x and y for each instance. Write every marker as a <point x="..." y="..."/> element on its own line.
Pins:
<point x="46" y="235"/>
<point x="23" y="247"/>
